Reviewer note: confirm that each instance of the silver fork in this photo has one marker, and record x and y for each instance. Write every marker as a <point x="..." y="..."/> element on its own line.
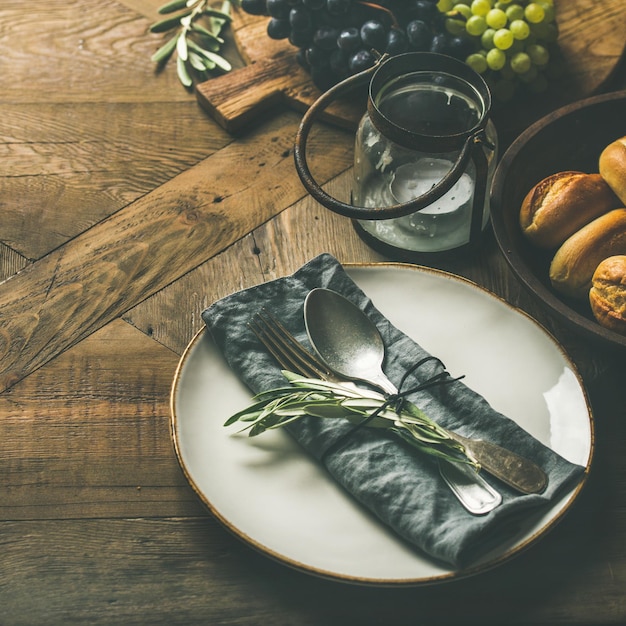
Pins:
<point x="287" y="350"/>
<point x="472" y="491"/>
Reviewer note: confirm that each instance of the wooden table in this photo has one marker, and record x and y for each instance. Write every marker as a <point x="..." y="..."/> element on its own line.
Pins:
<point x="125" y="211"/>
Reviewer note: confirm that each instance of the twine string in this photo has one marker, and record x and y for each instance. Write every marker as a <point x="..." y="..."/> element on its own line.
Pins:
<point x="397" y="400"/>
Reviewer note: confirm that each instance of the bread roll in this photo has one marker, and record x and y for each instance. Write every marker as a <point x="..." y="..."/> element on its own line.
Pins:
<point x="607" y="296"/>
<point x="612" y="167"/>
<point x="576" y="260"/>
<point x="559" y="205"/>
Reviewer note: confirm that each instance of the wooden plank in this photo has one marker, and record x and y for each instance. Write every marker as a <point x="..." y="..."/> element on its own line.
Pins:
<point x="99" y="275"/>
<point x="68" y="166"/>
<point x="274" y="249"/>
<point x="82" y="51"/>
<point x="83" y="437"/>
<point x="191" y="571"/>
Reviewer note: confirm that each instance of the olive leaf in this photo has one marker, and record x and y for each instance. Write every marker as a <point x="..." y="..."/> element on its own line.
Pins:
<point x="327" y="400"/>
<point x="183" y="74"/>
<point x="181" y="47"/>
<point x="198" y="63"/>
<point x="196" y="44"/>
<point x="168" y="24"/>
<point x="207" y="33"/>
<point x="174" y="5"/>
<point x="211" y="56"/>
<point x="165" y="51"/>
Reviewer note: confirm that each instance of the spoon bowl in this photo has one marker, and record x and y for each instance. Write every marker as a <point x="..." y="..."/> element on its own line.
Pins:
<point x="345" y="338"/>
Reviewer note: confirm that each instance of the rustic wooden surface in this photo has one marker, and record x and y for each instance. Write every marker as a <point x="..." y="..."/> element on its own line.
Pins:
<point x="125" y="210"/>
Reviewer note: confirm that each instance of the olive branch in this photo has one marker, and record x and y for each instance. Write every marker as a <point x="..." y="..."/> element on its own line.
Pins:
<point x="278" y="407"/>
<point x="196" y="40"/>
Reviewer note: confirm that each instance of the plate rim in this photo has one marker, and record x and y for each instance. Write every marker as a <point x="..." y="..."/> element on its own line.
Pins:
<point x="445" y="577"/>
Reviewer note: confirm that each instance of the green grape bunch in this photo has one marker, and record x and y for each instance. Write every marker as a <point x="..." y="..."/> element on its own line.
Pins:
<point x="509" y="42"/>
<point x="512" y="41"/>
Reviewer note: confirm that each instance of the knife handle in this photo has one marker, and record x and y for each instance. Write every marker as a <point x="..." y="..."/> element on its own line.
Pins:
<point x="511" y="468"/>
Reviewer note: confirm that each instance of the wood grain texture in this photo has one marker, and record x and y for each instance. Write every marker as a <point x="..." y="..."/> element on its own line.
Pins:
<point x="592" y="42"/>
<point x="85" y="438"/>
<point x="10" y="262"/>
<point x="190" y="571"/>
<point x="137" y="251"/>
<point x="73" y="165"/>
<point x="88" y="51"/>
<point x="272" y="250"/>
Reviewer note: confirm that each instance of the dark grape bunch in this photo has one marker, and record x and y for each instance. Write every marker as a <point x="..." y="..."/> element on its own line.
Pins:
<point x="507" y="41"/>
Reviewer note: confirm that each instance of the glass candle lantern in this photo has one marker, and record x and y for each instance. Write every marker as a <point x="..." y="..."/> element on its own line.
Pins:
<point x="425" y="153"/>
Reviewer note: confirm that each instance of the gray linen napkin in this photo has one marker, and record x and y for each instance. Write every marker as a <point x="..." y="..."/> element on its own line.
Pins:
<point x="394" y="481"/>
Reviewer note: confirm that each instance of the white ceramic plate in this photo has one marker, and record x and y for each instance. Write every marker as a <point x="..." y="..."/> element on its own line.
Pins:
<point x="274" y="497"/>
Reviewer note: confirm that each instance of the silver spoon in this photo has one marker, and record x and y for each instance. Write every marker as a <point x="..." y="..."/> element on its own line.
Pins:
<point x="351" y="345"/>
<point x="353" y="348"/>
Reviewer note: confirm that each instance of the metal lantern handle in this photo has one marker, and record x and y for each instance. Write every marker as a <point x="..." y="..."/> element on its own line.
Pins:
<point x="368" y="213"/>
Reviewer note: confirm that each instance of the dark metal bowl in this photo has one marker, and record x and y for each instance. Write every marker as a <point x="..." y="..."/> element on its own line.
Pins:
<point x="570" y="138"/>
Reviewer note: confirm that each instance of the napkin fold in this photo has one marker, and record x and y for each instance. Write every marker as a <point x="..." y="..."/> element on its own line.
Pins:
<point x="390" y="478"/>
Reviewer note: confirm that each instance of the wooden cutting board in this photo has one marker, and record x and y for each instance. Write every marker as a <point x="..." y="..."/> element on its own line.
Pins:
<point x="592" y="39"/>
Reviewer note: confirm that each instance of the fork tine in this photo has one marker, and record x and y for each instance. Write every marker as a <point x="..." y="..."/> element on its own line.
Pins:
<point x="262" y="335"/>
<point x="275" y="346"/>
<point x="285" y="348"/>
